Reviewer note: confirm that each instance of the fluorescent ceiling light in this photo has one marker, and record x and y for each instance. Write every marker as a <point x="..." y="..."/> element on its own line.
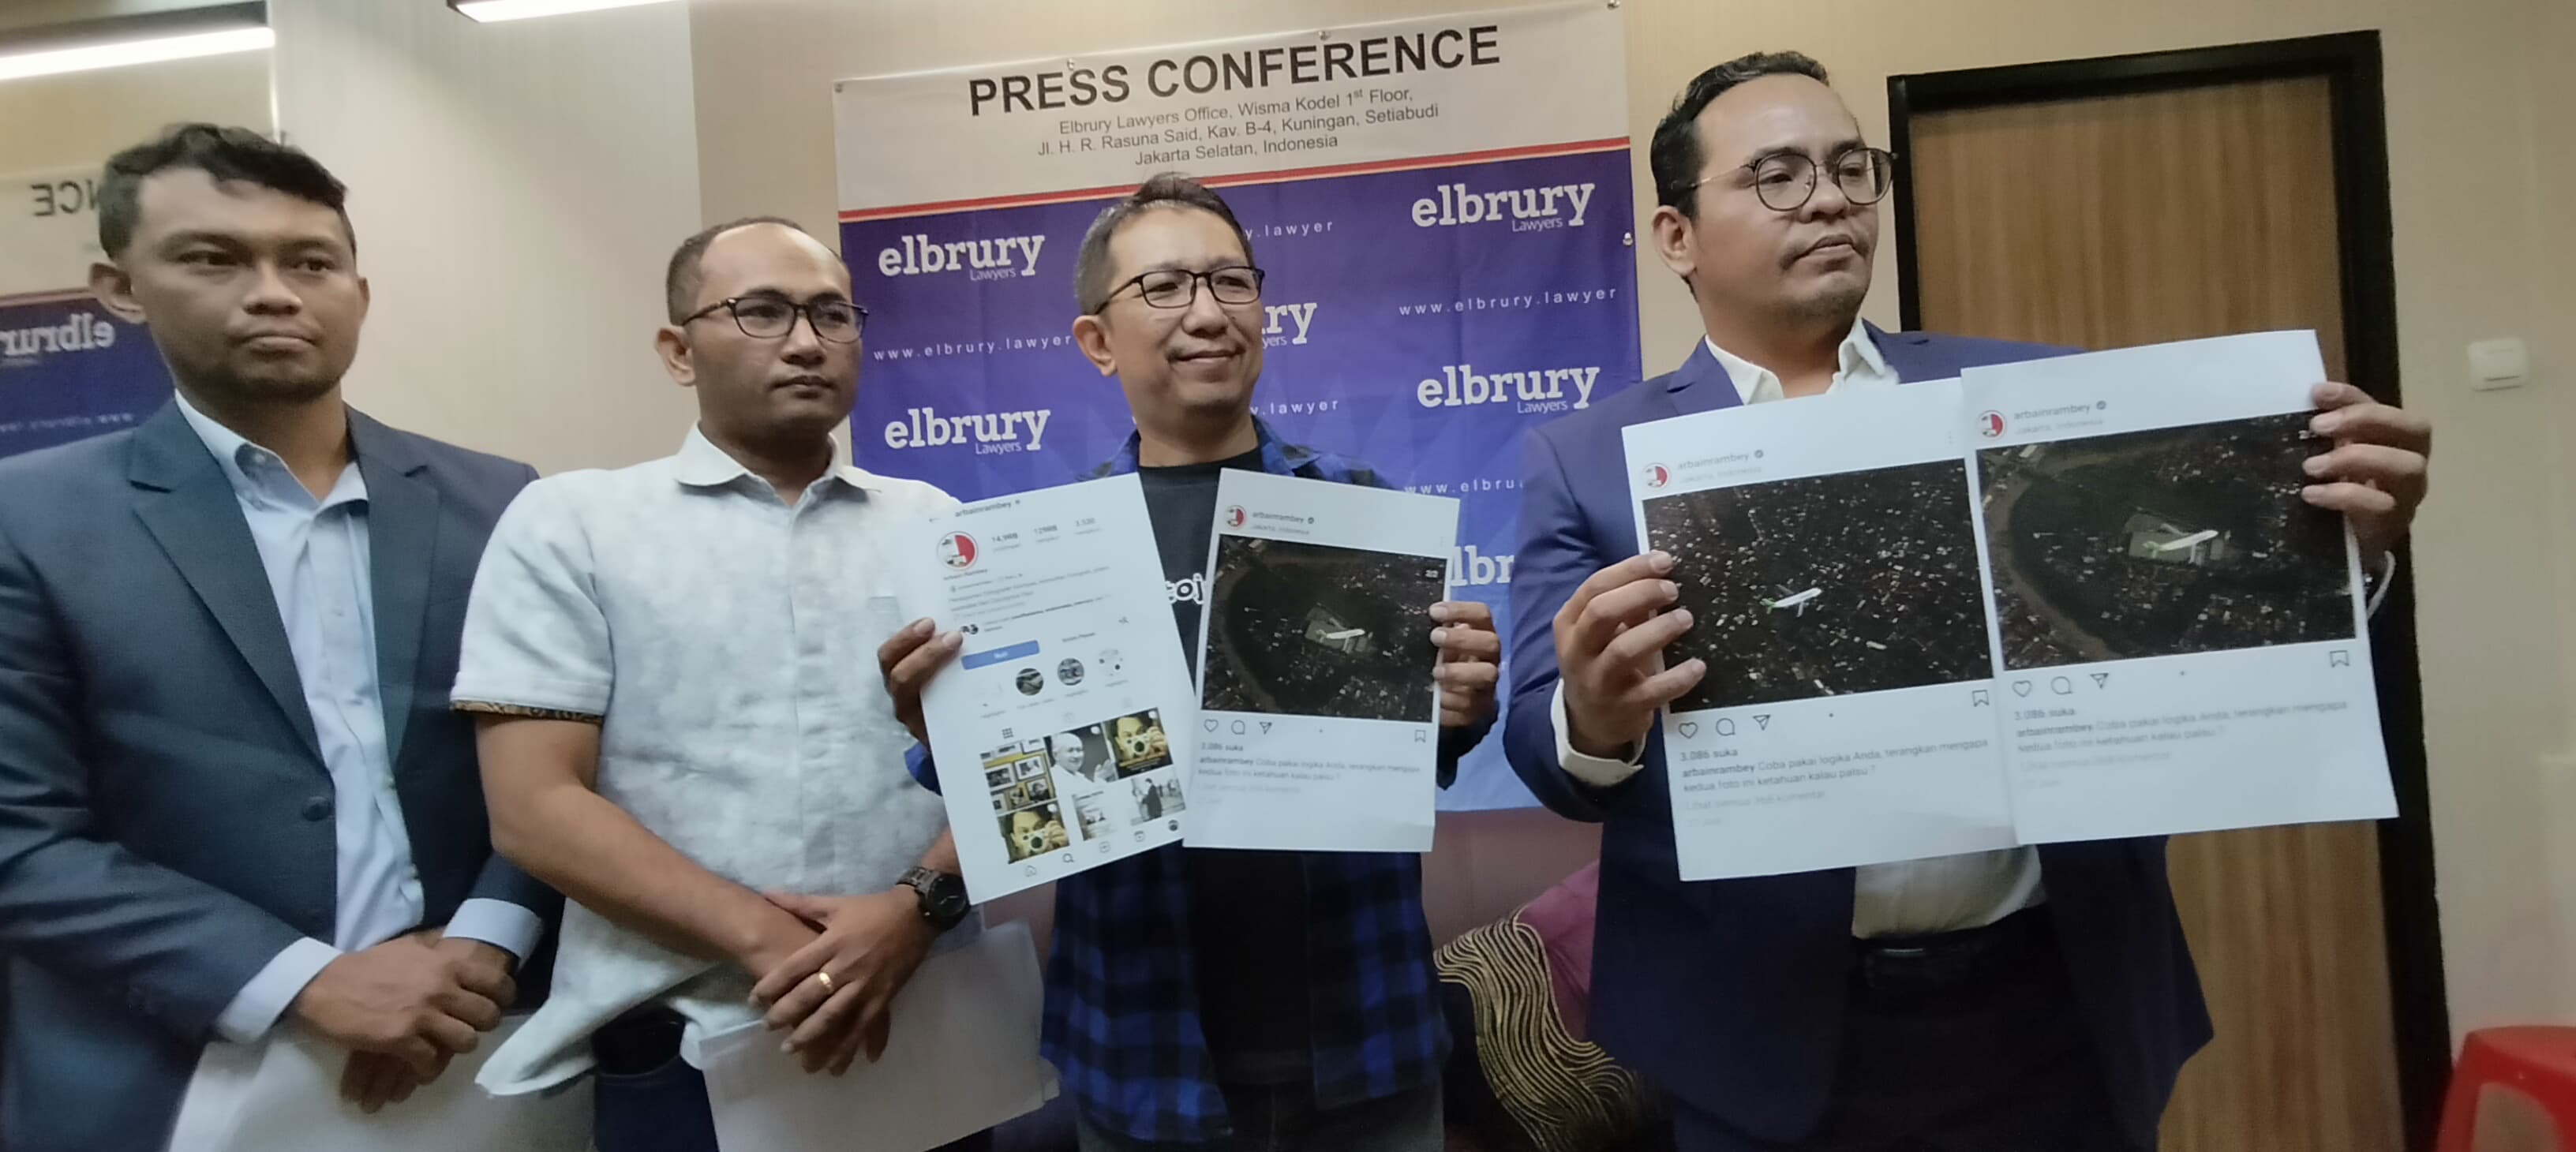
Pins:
<point x="491" y="10"/>
<point x="117" y="43"/>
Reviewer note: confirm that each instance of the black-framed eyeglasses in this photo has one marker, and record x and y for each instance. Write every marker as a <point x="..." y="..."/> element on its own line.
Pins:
<point x="773" y="317"/>
<point x="1177" y="287"/>
<point x="1787" y="180"/>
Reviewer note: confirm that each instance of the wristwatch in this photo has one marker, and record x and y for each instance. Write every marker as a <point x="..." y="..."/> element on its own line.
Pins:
<point x="943" y="896"/>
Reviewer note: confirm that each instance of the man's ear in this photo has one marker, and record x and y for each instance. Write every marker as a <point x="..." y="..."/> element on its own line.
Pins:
<point x="115" y="292"/>
<point x="1673" y="240"/>
<point x="678" y="359"/>
<point x="1091" y="334"/>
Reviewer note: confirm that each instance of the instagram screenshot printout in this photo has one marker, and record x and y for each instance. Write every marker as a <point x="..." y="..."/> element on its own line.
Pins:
<point x="1069" y="731"/>
<point x="1319" y="721"/>
<point x="2066" y="599"/>
<point x="1053" y="728"/>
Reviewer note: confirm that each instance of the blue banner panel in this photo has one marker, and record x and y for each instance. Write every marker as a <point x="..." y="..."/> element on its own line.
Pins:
<point x="1418" y="319"/>
<point x="69" y="370"/>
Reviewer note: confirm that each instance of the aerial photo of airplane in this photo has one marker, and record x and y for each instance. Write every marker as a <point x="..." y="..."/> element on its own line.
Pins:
<point x="2185" y="543"/>
<point x="1797" y="600"/>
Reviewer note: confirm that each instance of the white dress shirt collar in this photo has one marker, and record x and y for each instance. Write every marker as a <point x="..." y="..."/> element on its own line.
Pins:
<point x="700" y="464"/>
<point x="1857" y="362"/>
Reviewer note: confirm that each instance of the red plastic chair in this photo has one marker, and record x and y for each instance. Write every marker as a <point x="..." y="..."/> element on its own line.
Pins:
<point x="2537" y="1063"/>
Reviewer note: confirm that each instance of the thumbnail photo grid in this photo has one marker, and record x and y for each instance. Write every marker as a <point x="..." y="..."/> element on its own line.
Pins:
<point x="1302" y="629"/>
<point x="1085" y="785"/>
<point x="1826" y="585"/>
<point x="2162" y="543"/>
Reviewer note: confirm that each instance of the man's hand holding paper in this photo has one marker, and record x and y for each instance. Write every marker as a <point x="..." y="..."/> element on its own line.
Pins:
<point x="907" y="660"/>
<point x="1610" y="640"/>
<point x="2376" y="474"/>
<point x="410" y="998"/>
<point x="374" y="1079"/>
<point x="835" y="992"/>
<point x="1471" y="656"/>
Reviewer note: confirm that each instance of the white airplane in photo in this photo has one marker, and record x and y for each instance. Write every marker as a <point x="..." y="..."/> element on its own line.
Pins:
<point x="1797" y="600"/>
<point x="2185" y="543"/>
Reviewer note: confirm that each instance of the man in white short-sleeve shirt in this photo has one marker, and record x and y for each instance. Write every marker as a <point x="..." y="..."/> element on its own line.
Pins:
<point x="682" y="726"/>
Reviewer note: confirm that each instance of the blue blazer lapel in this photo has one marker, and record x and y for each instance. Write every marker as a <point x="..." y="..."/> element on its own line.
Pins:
<point x="402" y="546"/>
<point x="1701" y="383"/>
<point x="1911" y="355"/>
<point x="189" y="507"/>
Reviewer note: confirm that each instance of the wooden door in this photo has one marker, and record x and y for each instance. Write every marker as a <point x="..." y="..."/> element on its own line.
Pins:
<point x="2160" y="216"/>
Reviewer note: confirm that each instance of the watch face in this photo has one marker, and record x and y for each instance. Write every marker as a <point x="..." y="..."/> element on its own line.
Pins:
<point x="943" y="897"/>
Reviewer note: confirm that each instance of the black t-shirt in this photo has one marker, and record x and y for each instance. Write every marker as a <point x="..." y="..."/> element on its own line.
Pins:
<point x="1247" y="909"/>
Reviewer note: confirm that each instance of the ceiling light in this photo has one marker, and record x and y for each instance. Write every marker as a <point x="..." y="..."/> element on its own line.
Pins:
<point x="491" y="10"/>
<point x="119" y="41"/>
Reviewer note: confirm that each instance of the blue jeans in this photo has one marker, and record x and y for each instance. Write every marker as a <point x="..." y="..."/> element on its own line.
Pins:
<point x="665" y="1109"/>
<point x="1284" y="1118"/>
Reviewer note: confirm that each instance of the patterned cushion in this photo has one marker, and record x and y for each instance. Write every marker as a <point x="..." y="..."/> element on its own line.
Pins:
<point x="1518" y="991"/>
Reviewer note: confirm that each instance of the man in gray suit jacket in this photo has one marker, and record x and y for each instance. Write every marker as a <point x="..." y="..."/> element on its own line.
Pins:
<point x="232" y="797"/>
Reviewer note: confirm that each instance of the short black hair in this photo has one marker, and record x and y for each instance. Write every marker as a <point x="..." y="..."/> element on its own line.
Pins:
<point x="223" y="152"/>
<point x="1675" y="155"/>
<point x="1091" y="286"/>
<point x="681" y="281"/>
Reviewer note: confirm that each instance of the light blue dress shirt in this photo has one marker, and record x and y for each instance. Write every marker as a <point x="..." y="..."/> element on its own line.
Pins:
<point x="317" y="557"/>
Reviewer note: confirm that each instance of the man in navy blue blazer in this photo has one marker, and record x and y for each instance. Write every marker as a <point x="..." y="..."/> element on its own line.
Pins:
<point x="232" y="797"/>
<point x="2017" y="999"/>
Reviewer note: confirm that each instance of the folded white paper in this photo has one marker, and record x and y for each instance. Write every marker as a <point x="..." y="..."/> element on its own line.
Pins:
<point x="285" y="1093"/>
<point x="961" y="1057"/>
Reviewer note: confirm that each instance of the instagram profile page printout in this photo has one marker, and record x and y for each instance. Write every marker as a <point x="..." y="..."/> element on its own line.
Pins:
<point x="1058" y="727"/>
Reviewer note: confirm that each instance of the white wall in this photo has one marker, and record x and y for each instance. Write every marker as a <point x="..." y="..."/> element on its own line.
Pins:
<point x="61" y="125"/>
<point x="516" y="189"/>
<point x="80" y="119"/>
<point x="2482" y="148"/>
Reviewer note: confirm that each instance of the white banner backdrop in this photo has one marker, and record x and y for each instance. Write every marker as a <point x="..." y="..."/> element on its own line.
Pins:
<point x="49" y="232"/>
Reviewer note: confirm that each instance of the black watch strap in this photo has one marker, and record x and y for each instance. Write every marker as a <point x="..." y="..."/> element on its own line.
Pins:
<point x="942" y="895"/>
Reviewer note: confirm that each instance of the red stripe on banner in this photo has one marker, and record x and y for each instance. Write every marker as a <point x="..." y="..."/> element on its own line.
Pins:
<point x="1280" y="176"/>
<point x="49" y="296"/>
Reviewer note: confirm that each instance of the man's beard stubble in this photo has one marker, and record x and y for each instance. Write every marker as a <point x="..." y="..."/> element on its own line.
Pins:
<point x="1834" y="308"/>
<point x="227" y="383"/>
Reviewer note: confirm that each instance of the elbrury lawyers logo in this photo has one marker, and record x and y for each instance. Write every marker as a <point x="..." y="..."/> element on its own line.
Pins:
<point x="992" y="433"/>
<point x="1528" y="390"/>
<point x="986" y="259"/>
<point x="1539" y="209"/>
<point x="79" y="332"/>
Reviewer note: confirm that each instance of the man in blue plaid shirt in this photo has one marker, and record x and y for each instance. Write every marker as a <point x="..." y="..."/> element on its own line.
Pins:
<point x="1230" y="999"/>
